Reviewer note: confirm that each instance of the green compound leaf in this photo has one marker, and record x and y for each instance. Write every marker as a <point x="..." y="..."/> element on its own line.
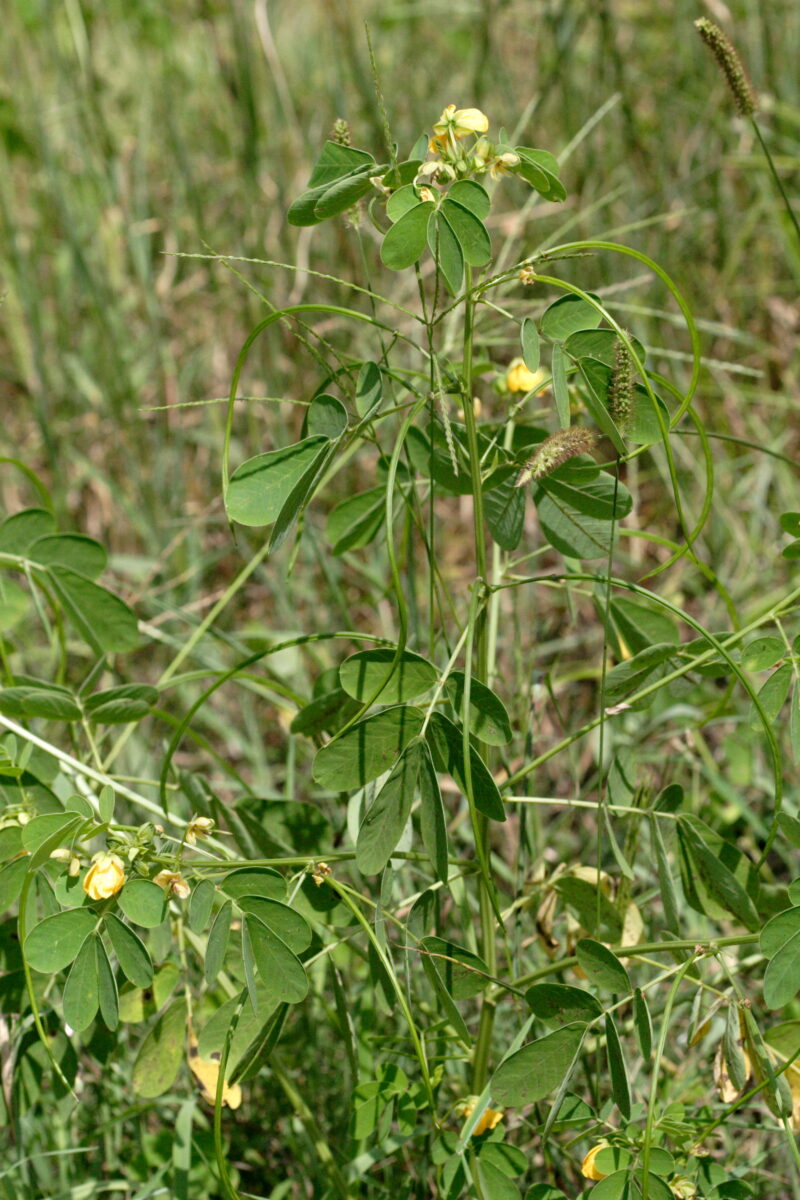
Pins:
<point x="385" y="820"/>
<point x="281" y="971"/>
<point x="39" y="700"/>
<point x="336" y="161"/>
<point x="14" y="602"/>
<point x="12" y="877"/>
<point x="336" y="167"/>
<point x="599" y="344"/>
<point x="103" y="620"/>
<point x="589" y="903"/>
<point x="405" y="241"/>
<point x="129" y="948"/>
<point x="632" y="674"/>
<point x="504" y="505"/>
<point x="45" y="833"/>
<point x="367" y="749"/>
<point x="285" y="922"/>
<point x="462" y="972"/>
<point x="200" y="904"/>
<point x="21" y="530"/>
<point x="537" y="1068"/>
<point x="433" y="827"/>
<point x="472" y="196"/>
<point x="144" y="903"/>
<point x="356" y="521"/>
<point x="780" y="941"/>
<point x="470" y="232"/>
<point x="326" y="417"/>
<point x="82" y="989"/>
<point x="540" y="170"/>
<point x="772" y="695"/>
<point x="642" y="1025"/>
<point x="54" y="942"/>
<point x="82" y="554"/>
<point x="446" y="249"/>
<point x="364" y="672"/>
<point x="217" y="943"/>
<point x="641" y="626"/>
<point x="369" y="389"/>
<point x="488" y="717"/>
<point x="560" y="388"/>
<point x="121" y="705"/>
<point x="602" y="968"/>
<point x="563" y="1003"/>
<point x="399" y="203"/>
<point x="704" y="870"/>
<point x="343" y="194"/>
<point x="260" y="487"/>
<point x="531" y="344"/>
<point x="495" y="1184"/>
<point x="567" y="316"/>
<point x="161" y="1053"/>
<point x="620" y="1088"/>
<point x="762" y="653"/>
<point x="254" y="881"/>
<point x="108" y="996"/>
<point x="577" y="520"/>
<point x="447" y="746"/>
<point x="298" y="498"/>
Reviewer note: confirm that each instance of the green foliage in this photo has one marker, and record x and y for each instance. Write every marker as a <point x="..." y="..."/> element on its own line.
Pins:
<point x="265" y="830"/>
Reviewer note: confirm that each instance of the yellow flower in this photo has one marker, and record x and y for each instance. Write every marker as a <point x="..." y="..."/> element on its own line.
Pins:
<point x="588" y="1168"/>
<point x="105" y="877"/>
<point x="520" y="379"/>
<point x="490" y="1118"/>
<point x="198" y="827"/>
<point x="457" y="123"/>
<point x="173" y="884"/>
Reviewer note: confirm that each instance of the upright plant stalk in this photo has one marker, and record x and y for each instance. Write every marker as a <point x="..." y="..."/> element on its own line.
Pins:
<point x="481" y="823"/>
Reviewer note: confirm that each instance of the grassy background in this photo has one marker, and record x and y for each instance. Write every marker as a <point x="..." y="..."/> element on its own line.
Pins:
<point x="135" y="136"/>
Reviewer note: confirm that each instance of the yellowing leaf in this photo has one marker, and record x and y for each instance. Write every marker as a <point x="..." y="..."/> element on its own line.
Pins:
<point x="206" y="1072"/>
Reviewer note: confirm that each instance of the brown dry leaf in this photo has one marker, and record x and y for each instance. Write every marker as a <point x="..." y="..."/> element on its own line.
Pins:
<point x="206" y="1072"/>
<point x="722" y="1081"/>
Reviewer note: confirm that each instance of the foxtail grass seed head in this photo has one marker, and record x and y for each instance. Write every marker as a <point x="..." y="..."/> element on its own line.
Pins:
<point x="620" y="390"/>
<point x="341" y="132"/>
<point x="555" y="451"/>
<point x="730" y="64"/>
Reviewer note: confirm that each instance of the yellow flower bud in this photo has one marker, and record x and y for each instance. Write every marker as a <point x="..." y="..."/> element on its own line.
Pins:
<point x="503" y="164"/>
<point x="520" y="379"/>
<point x="105" y="877"/>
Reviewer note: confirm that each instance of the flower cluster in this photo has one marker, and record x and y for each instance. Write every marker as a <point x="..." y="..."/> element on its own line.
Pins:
<point x="455" y="160"/>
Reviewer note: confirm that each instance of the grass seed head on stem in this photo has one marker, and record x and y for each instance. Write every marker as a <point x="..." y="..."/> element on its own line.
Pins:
<point x="730" y="64"/>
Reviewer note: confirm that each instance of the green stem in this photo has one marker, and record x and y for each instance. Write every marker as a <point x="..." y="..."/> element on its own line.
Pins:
<point x="777" y="179"/>
<point x="651" y="1106"/>
<point x="480" y="822"/>
<point x="562" y="964"/>
<point x="344" y="894"/>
